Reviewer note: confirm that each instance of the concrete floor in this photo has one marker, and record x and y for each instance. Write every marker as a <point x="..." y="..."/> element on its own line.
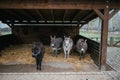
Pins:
<point x="48" y="67"/>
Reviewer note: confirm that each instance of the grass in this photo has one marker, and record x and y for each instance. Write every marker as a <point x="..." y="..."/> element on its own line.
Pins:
<point x="95" y="35"/>
<point x="89" y="34"/>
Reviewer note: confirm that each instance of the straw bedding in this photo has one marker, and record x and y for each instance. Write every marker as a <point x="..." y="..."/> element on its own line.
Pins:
<point x="21" y="54"/>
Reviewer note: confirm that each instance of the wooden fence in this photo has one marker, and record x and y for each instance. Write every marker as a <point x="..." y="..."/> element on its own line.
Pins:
<point x="112" y="41"/>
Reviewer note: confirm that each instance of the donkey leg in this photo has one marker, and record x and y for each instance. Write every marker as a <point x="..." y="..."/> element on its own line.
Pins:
<point x="36" y="63"/>
<point x="56" y="52"/>
<point x="53" y="53"/>
<point x="64" y="53"/>
<point x="68" y="51"/>
<point x="40" y="62"/>
<point x="83" y="55"/>
<point x="79" y="56"/>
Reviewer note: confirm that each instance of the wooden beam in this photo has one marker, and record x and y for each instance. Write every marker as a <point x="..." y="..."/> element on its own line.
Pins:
<point x="52" y="13"/>
<point x="51" y="5"/>
<point x="92" y="17"/>
<point x="76" y="14"/>
<point x="3" y="16"/>
<point x="99" y="13"/>
<point x="28" y="14"/>
<point x="113" y="13"/>
<point x="13" y="14"/>
<point x="115" y="5"/>
<point x="23" y="14"/>
<point x="40" y="22"/>
<point x="104" y="36"/>
<point x="39" y="14"/>
<point x="89" y="14"/>
<point x="65" y="12"/>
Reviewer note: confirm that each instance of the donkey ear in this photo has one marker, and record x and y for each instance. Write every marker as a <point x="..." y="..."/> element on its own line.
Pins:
<point x="51" y="36"/>
<point x="54" y="36"/>
<point x="85" y="40"/>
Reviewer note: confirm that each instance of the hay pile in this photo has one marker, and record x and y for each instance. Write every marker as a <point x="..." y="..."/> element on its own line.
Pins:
<point x="21" y="54"/>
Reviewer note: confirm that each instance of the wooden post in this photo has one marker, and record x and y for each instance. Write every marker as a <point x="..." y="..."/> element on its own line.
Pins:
<point x="77" y="29"/>
<point x="111" y="41"/>
<point x="104" y="35"/>
<point x="12" y="26"/>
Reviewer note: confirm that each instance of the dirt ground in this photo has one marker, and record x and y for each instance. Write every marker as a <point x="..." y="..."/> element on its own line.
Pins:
<point x="19" y="58"/>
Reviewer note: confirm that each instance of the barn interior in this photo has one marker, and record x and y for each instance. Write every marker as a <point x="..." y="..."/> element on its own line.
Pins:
<point x="36" y="20"/>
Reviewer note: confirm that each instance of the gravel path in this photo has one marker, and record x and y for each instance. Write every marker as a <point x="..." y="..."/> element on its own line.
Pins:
<point x="113" y="57"/>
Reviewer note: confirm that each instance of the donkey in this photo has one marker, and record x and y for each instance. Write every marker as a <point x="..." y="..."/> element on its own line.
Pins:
<point x="67" y="46"/>
<point x="56" y="44"/>
<point x="38" y="51"/>
<point x="81" y="47"/>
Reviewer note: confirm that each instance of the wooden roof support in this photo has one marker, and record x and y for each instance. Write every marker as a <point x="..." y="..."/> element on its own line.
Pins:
<point x="52" y="4"/>
<point x="86" y="17"/>
<point x="39" y="14"/>
<point x="11" y="13"/>
<point x="113" y="13"/>
<point x="64" y="14"/>
<point x="52" y="13"/>
<point x="104" y="34"/>
<point x="99" y="13"/>
<point x="83" y="17"/>
<point x="18" y="4"/>
<point x="28" y="14"/>
<point x="76" y="14"/>
<point x="21" y="12"/>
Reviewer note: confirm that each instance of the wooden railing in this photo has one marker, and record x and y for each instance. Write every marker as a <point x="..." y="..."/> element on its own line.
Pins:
<point x="112" y="41"/>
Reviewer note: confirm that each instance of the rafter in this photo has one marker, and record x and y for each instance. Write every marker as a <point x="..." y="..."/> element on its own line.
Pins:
<point x="24" y="15"/>
<point x="76" y="14"/>
<point x="113" y="13"/>
<point x="39" y="14"/>
<point x="65" y="12"/>
<point x="52" y="13"/>
<point x="27" y="13"/>
<point x="86" y="16"/>
<point x="99" y="13"/>
<point x="3" y="16"/>
<point x="13" y="14"/>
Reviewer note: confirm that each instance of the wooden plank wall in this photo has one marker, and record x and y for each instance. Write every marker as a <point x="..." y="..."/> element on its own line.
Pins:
<point x="7" y="40"/>
<point x="29" y="34"/>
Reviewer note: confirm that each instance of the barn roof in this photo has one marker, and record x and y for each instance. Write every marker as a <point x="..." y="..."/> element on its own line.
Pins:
<point x="52" y="11"/>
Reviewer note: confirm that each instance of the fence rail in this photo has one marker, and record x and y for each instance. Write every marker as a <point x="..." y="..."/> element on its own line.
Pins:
<point x="112" y="41"/>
